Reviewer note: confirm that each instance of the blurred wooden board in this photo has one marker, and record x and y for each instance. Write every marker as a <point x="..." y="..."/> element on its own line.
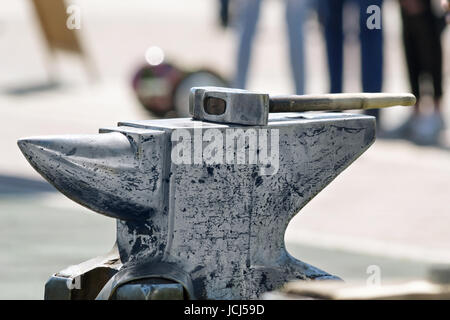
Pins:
<point x="338" y="290"/>
<point x="52" y="18"/>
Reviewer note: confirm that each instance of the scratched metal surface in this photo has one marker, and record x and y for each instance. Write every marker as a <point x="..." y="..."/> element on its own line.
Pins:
<point x="222" y="225"/>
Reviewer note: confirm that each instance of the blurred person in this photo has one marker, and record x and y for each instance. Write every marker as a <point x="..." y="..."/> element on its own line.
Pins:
<point x="371" y="40"/>
<point x="422" y="29"/>
<point x="247" y="15"/>
<point x="446" y="6"/>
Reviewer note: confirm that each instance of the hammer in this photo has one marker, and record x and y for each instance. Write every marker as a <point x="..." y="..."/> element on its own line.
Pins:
<point x="227" y="105"/>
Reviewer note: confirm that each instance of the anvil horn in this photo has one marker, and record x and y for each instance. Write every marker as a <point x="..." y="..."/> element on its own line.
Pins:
<point x="94" y="170"/>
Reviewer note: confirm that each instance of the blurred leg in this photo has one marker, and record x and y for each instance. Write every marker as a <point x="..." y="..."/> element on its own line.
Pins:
<point x="295" y="16"/>
<point x="248" y="13"/>
<point x="411" y="40"/>
<point x="371" y="52"/>
<point x="332" y="20"/>
<point x="435" y="58"/>
<point x="412" y="59"/>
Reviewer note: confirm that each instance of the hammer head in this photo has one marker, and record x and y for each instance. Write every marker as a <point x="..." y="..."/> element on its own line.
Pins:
<point x="226" y="105"/>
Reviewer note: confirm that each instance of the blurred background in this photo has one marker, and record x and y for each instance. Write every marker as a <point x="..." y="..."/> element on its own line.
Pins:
<point x="121" y="59"/>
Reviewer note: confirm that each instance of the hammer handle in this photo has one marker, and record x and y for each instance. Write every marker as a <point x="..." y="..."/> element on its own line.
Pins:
<point x="339" y="101"/>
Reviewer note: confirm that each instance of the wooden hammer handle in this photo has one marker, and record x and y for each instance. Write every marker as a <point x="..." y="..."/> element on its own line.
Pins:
<point x="339" y="101"/>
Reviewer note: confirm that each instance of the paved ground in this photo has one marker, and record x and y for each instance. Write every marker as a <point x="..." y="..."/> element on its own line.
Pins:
<point x="390" y="208"/>
<point x="43" y="232"/>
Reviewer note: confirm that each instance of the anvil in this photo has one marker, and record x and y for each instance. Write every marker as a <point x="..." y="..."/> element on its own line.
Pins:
<point x="215" y="228"/>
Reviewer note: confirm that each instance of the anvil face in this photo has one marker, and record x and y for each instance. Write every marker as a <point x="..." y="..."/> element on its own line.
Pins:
<point x="220" y="224"/>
